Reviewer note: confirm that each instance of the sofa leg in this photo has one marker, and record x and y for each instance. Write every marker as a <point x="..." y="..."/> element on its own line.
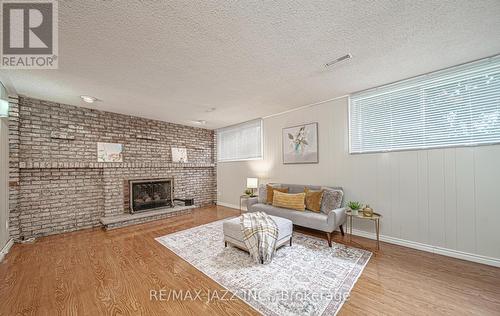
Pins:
<point x="341" y="230"/>
<point x="290" y="241"/>
<point x="329" y="237"/>
<point x="225" y="244"/>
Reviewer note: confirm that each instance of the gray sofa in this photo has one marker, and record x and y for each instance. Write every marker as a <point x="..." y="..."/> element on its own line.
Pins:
<point x="331" y="217"/>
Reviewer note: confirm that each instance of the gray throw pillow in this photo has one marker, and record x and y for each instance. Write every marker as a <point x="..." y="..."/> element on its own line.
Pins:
<point x="262" y="193"/>
<point x="332" y="199"/>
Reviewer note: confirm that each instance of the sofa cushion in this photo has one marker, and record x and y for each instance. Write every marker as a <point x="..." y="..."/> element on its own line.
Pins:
<point x="270" y="192"/>
<point x="305" y="218"/>
<point x="332" y="199"/>
<point x="292" y="188"/>
<point x="299" y="188"/>
<point x="291" y="201"/>
<point x="313" y="199"/>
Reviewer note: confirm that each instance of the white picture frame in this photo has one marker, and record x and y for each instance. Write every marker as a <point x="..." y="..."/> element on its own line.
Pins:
<point x="179" y="155"/>
<point x="109" y="152"/>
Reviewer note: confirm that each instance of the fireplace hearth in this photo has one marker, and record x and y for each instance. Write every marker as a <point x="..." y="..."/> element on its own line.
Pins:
<point x="150" y="194"/>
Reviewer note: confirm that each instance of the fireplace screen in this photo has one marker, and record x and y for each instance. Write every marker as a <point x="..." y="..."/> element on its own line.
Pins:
<point x="149" y="194"/>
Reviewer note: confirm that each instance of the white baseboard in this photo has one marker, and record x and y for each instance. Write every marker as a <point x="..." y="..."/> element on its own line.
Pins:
<point x="6" y="249"/>
<point x="230" y="205"/>
<point x="429" y="248"/>
<point x="415" y="245"/>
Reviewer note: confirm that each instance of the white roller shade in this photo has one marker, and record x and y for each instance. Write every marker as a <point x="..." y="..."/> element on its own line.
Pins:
<point x="240" y="142"/>
<point x="459" y="106"/>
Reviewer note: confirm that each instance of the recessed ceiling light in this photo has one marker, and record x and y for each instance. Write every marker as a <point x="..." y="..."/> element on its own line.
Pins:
<point x="88" y="98"/>
<point x="198" y="122"/>
<point x="210" y="110"/>
<point x="338" y="60"/>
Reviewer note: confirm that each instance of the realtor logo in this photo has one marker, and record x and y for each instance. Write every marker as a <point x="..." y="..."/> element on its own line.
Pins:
<point x="29" y="35"/>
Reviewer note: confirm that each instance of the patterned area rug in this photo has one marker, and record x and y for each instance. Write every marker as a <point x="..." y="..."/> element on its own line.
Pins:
<point x="308" y="278"/>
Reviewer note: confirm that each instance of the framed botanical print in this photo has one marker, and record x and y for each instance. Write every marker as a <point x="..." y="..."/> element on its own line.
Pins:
<point x="300" y="144"/>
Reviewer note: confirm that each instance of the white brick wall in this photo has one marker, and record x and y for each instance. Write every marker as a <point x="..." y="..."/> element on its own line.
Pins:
<point x="56" y="184"/>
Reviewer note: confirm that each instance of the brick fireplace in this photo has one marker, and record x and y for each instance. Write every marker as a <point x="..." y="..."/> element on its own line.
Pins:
<point x="150" y="194"/>
<point x="56" y="183"/>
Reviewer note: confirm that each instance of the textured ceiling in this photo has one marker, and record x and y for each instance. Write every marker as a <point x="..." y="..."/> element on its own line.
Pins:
<point x="174" y="60"/>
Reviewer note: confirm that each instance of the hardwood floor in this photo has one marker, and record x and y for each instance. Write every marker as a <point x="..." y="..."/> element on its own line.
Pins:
<point x="94" y="272"/>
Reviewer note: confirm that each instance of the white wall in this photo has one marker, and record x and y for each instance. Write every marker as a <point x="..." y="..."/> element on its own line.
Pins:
<point x="437" y="200"/>
<point x="4" y="174"/>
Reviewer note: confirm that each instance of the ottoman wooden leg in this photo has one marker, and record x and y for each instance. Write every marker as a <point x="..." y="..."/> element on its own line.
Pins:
<point x="290" y="241"/>
<point x="225" y="243"/>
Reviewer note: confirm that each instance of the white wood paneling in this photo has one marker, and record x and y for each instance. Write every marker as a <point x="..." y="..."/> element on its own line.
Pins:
<point x="466" y="200"/>
<point x="436" y="197"/>
<point x="450" y="199"/>
<point x="487" y="188"/>
<point x="408" y="195"/>
<point x="443" y="198"/>
<point x="383" y="202"/>
<point x="4" y="175"/>
<point x="395" y="218"/>
<point x="423" y="217"/>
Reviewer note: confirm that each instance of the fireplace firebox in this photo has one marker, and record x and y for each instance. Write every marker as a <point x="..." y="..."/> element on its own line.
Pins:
<point x="150" y="194"/>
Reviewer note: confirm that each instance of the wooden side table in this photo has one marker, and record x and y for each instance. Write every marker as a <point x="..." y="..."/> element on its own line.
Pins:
<point x="245" y="197"/>
<point x="375" y="218"/>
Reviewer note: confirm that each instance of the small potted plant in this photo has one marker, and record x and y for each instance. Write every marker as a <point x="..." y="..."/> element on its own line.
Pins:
<point x="354" y="207"/>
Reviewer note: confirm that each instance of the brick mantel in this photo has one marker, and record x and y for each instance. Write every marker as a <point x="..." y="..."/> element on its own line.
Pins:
<point x="58" y="186"/>
<point x="102" y="165"/>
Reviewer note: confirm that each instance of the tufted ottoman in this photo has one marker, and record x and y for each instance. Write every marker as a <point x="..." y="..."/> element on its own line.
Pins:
<point x="234" y="235"/>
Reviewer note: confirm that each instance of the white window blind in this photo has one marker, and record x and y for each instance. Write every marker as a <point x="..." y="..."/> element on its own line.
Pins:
<point x="4" y="102"/>
<point x="240" y="142"/>
<point x="459" y="106"/>
<point x="3" y="92"/>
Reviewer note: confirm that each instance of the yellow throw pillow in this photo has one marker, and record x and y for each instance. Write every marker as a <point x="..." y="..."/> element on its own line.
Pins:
<point x="270" y="192"/>
<point x="293" y="201"/>
<point x="313" y="200"/>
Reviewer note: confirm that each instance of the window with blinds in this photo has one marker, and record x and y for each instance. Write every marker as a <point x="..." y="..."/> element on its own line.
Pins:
<point x="459" y="106"/>
<point x="240" y="142"/>
<point x="4" y="101"/>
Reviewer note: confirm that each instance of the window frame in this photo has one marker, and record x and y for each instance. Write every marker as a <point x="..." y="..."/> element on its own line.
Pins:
<point x="261" y="156"/>
<point x="433" y="76"/>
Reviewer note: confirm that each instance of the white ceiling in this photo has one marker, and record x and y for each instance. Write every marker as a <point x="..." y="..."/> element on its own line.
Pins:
<point x="173" y="60"/>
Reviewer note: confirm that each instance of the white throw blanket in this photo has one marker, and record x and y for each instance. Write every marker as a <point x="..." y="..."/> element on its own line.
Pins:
<point x="260" y="235"/>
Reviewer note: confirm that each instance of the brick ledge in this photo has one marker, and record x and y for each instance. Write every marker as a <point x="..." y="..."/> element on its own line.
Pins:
<point x="116" y="221"/>
<point x="103" y="165"/>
